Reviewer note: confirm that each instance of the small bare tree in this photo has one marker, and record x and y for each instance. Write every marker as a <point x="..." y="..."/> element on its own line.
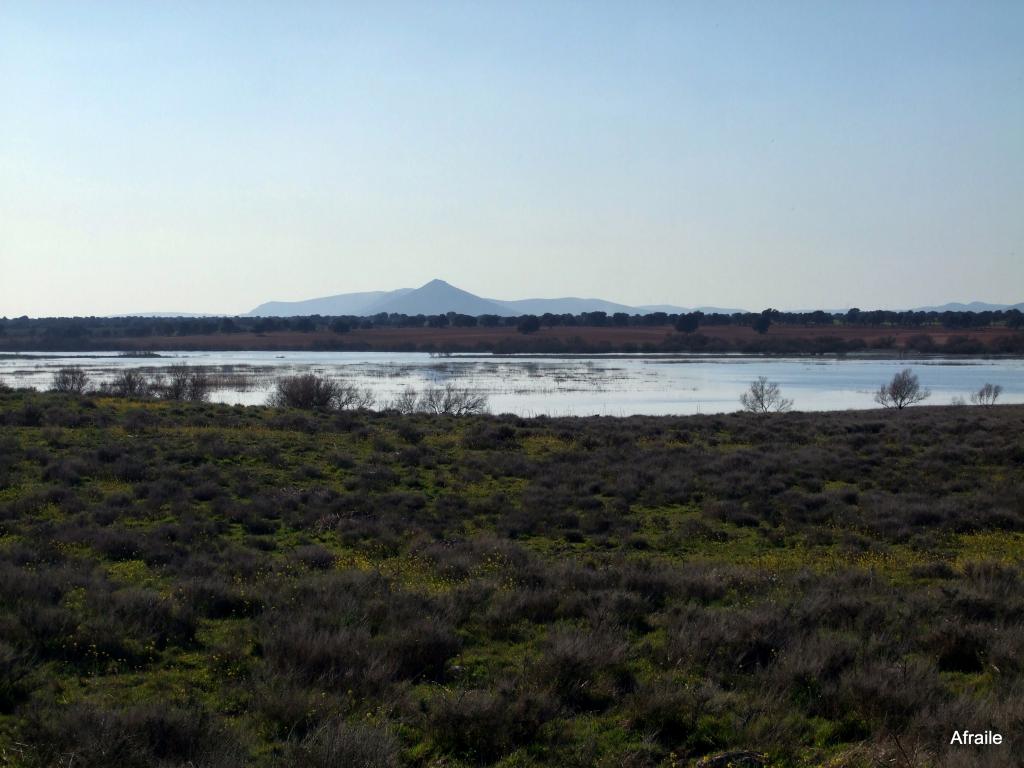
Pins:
<point x="764" y="397"/>
<point x="903" y="390"/>
<point x="71" y="380"/>
<point x="987" y="395"/>
<point x="352" y="398"/>
<point x="405" y="402"/>
<point x="450" y="400"/>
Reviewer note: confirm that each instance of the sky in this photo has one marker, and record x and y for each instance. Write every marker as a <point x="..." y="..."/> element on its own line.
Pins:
<point x="207" y="157"/>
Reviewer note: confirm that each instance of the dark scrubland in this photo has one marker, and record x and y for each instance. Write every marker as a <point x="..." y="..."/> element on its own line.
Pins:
<point x="203" y="585"/>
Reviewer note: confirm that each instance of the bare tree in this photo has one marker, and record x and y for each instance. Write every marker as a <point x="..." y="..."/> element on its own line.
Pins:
<point x="72" y="380"/>
<point x="987" y="395"/>
<point x="186" y="383"/>
<point x="351" y="397"/>
<point x="903" y="390"/>
<point x="404" y="402"/>
<point x="764" y="397"/>
<point x="308" y="390"/>
<point x="450" y="400"/>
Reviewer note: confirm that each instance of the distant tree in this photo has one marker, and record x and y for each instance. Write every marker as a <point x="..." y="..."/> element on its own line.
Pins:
<point x="340" y="326"/>
<point x="620" y="319"/>
<point x="689" y="322"/>
<point x="71" y="380"/>
<point x="437" y="321"/>
<point x="654" y="318"/>
<point x="903" y="390"/>
<point x="528" y="324"/>
<point x="764" y="397"/>
<point x="987" y="395"/>
<point x="266" y="325"/>
<point x="763" y="321"/>
<point x="304" y="325"/>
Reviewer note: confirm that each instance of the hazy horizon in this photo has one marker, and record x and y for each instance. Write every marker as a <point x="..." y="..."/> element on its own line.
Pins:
<point x="209" y="158"/>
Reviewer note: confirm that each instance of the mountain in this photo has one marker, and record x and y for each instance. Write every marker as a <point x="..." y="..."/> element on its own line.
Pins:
<point x="974" y="306"/>
<point x="438" y="297"/>
<point x="341" y="304"/>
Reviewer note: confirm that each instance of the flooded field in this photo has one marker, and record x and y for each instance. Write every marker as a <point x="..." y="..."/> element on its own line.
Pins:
<point x="615" y="385"/>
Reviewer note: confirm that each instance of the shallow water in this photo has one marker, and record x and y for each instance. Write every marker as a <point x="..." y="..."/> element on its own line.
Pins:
<point x="616" y="385"/>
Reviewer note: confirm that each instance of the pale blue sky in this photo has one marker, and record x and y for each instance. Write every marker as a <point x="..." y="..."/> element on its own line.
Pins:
<point x="210" y="156"/>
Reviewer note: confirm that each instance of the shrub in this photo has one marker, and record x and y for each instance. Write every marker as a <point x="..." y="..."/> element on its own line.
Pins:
<point x="483" y="725"/>
<point x="315" y="557"/>
<point x="310" y="391"/>
<point x="585" y="668"/>
<point x="14" y="669"/>
<point x="354" y="745"/>
<point x="139" y="737"/>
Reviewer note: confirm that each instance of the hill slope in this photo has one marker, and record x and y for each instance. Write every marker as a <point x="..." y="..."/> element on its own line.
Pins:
<point x="341" y="304"/>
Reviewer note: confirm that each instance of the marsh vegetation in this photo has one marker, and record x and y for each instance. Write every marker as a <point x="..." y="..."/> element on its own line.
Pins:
<point x="198" y="584"/>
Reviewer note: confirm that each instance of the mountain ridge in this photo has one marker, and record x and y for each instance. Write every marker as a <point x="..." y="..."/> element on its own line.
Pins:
<point x="439" y="297"/>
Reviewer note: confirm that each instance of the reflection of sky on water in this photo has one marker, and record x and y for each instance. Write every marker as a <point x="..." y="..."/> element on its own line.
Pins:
<point x="612" y="385"/>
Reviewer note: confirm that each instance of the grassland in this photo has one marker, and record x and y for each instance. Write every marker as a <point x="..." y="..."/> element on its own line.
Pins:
<point x="190" y="584"/>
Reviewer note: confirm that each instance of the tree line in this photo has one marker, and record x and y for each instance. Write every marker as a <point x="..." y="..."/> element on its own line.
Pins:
<point x="80" y="329"/>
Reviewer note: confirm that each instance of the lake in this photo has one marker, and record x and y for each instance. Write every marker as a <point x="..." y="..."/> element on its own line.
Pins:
<point x="615" y="385"/>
